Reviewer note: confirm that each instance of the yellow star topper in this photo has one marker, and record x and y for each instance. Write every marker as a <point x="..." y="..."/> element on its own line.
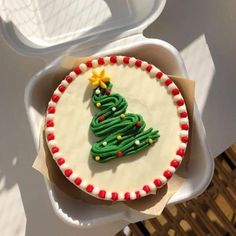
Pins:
<point x="99" y="79"/>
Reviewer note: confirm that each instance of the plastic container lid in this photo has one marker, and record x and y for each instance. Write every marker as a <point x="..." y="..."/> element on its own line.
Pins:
<point x="43" y="24"/>
<point x="120" y="19"/>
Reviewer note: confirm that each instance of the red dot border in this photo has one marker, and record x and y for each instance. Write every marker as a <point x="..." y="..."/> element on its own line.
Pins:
<point x="60" y="160"/>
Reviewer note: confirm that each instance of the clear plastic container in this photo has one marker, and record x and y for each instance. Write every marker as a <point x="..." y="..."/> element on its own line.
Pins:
<point x="101" y="28"/>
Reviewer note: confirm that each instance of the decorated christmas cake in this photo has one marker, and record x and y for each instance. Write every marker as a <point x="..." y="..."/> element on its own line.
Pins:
<point x="117" y="128"/>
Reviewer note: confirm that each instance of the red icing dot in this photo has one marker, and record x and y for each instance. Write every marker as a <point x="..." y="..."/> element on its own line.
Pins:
<point x="175" y="91"/>
<point x="113" y="59"/>
<point x="101" y="118"/>
<point x="62" y="88"/>
<point x="180" y="102"/>
<point x="184" y="139"/>
<point x="114" y="196"/>
<point x="89" y="188"/>
<point x="174" y="163"/>
<point x="167" y="174"/>
<point x="183" y="114"/>
<point x="50" y="137"/>
<point x="148" y="68"/>
<point x="68" y="172"/>
<point x="51" y="110"/>
<point x="60" y="161"/>
<point x="108" y="92"/>
<point x="127" y="196"/>
<point x="50" y="123"/>
<point x="55" y="98"/>
<point x="157" y="182"/>
<point x="137" y="193"/>
<point x="185" y="126"/>
<point x="102" y="194"/>
<point x="78" y="181"/>
<point x="159" y="75"/>
<point x="180" y="152"/>
<point x="119" y="153"/>
<point x="89" y="64"/>
<point x="101" y="61"/>
<point x="168" y="82"/>
<point x="146" y="188"/>
<point x="55" y="149"/>
<point x="77" y="70"/>
<point x="126" y="60"/>
<point x="69" y="79"/>
<point x="138" y="124"/>
<point x="138" y="63"/>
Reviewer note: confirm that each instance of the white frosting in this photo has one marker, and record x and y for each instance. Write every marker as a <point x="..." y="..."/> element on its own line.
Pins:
<point x="183" y="145"/>
<point x="119" y="59"/>
<point x="64" y="164"/>
<point x="51" y="103"/>
<point x="57" y="92"/>
<point x="96" y="190"/>
<point x="132" y="195"/>
<point x="177" y="97"/>
<point x="107" y="60"/>
<point x="50" y="116"/>
<point x="137" y="142"/>
<point x="73" y="75"/>
<point x="73" y="176"/>
<point x="171" y="87"/>
<point x="184" y="121"/>
<point x="49" y="130"/>
<point x="56" y="155"/>
<point x="163" y="179"/>
<point x="178" y="158"/>
<point x="108" y="195"/>
<point x="132" y="61"/>
<point x="142" y="193"/>
<point x="94" y="63"/>
<point x="163" y="78"/>
<point x="183" y="133"/>
<point x="153" y="72"/>
<point x="64" y="83"/>
<point x="152" y="186"/>
<point x="74" y="113"/>
<point x="182" y="109"/>
<point x="121" y="196"/>
<point x="144" y="65"/>
<point x="52" y="143"/>
<point x="171" y="169"/>
<point x="83" y="67"/>
<point x="64" y="167"/>
<point x="98" y="91"/>
<point x="84" y="183"/>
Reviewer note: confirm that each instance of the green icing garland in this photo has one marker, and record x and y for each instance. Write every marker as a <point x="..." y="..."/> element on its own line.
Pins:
<point x="124" y="132"/>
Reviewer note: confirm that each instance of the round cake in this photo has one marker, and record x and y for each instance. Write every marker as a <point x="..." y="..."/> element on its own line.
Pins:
<point x="117" y="127"/>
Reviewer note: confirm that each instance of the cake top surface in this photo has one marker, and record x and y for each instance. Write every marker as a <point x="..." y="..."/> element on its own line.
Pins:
<point x="90" y="142"/>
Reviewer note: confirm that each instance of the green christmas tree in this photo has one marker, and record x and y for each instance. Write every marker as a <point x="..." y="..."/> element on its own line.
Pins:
<point x="123" y="133"/>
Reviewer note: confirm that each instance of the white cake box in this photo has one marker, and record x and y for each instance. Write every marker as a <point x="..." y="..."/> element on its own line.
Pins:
<point x="97" y="28"/>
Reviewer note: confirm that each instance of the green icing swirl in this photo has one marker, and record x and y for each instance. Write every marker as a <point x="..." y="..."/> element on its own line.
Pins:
<point x="114" y="125"/>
